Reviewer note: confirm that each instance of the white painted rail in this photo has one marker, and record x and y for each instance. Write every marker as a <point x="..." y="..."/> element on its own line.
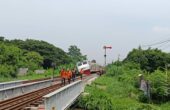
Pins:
<point x="64" y="97"/>
<point x="10" y="84"/>
<point x="11" y="92"/>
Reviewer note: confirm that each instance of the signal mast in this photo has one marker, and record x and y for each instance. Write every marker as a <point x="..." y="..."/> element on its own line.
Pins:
<point x="105" y="48"/>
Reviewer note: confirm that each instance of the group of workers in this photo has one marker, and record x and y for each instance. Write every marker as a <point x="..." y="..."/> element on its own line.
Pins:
<point x="68" y="74"/>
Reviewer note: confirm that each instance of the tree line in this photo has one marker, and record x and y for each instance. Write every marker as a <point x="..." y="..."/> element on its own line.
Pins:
<point x="33" y="54"/>
<point x="149" y="59"/>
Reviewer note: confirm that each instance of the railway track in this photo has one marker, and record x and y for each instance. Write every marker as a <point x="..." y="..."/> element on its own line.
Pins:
<point x="20" y="102"/>
<point x="42" y="79"/>
<point x="26" y="100"/>
<point x="33" y="98"/>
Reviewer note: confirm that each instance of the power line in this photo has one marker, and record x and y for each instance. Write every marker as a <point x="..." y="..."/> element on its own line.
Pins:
<point x="165" y="47"/>
<point x="157" y="43"/>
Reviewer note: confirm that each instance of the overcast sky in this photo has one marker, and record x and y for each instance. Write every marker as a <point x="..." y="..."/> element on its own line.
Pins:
<point x="89" y="24"/>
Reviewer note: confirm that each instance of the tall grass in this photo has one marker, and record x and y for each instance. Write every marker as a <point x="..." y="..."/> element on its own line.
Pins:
<point x="116" y="90"/>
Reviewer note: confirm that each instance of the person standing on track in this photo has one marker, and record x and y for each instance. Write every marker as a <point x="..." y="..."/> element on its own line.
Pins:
<point x="62" y="75"/>
<point x="81" y="73"/>
<point x="69" y="75"/>
<point x="73" y="74"/>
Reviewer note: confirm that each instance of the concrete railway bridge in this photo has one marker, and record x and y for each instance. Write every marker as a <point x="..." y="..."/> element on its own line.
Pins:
<point x="41" y="95"/>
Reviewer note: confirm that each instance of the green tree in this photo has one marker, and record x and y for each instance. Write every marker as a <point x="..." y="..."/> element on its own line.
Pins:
<point x="160" y="86"/>
<point x="7" y="71"/>
<point x="75" y="53"/>
<point x="1" y="38"/>
<point x="150" y="59"/>
<point x="9" y="54"/>
<point x="34" y="57"/>
<point x="31" y="60"/>
<point x="10" y="57"/>
<point x="49" y="52"/>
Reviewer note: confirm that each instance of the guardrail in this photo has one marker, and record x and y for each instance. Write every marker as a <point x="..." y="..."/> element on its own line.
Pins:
<point x="64" y="97"/>
<point x="11" y="92"/>
<point x="10" y="84"/>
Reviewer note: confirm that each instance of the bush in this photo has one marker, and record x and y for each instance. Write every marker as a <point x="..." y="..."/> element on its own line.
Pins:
<point x="143" y="98"/>
<point x="114" y="71"/>
<point x="159" y="86"/>
<point x="7" y="71"/>
<point x="96" y="100"/>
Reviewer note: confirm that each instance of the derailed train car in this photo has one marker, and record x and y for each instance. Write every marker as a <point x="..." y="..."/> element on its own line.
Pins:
<point x="90" y="67"/>
<point x="83" y="65"/>
<point x="96" y="68"/>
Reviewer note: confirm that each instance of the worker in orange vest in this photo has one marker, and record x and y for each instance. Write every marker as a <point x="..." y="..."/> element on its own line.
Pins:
<point x="69" y="75"/>
<point x="65" y="74"/>
<point x="62" y="75"/>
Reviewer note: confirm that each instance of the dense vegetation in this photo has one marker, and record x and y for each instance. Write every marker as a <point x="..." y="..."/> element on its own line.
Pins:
<point x="12" y="58"/>
<point x="150" y="59"/>
<point x="119" y="89"/>
<point x="33" y="54"/>
<point x="75" y="54"/>
<point x="49" y="52"/>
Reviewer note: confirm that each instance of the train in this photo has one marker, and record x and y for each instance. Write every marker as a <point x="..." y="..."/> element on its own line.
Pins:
<point x="90" y="67"/>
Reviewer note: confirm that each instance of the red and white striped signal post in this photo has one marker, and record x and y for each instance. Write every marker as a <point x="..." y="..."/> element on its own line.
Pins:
<point x="105" y="48"/>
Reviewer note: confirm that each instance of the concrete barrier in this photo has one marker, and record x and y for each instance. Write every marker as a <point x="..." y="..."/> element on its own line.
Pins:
<point x="10" y="84"/>
<point x="64" y="97"/>
<point x="39" y="71"/>
<point x="11" y="92"/>
<point x="22" y="71"/>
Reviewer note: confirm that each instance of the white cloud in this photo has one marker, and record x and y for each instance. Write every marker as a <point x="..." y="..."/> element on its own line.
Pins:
<point x="160" y="29"/>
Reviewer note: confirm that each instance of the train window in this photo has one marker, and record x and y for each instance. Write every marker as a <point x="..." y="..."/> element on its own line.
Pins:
<point x="79" y="64"/>
<point x="84" y="63"/>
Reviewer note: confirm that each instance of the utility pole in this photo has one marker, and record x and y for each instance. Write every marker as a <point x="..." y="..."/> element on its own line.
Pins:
<point x="105" y="57"/>
<point x="105" y="48"/>
<point x="117" y="63"/>
<point x="53" y="66"/>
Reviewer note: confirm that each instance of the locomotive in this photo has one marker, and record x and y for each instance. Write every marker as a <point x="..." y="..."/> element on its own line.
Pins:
<point x="90" y="67"/>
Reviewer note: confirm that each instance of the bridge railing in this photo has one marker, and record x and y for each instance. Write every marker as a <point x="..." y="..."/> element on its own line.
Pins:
<point x="11" y="84"/>
<point x="18" y="90"/>
<point x="64" y="97"/>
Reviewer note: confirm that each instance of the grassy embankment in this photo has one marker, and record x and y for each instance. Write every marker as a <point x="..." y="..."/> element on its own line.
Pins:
<point x="117" y="90"/>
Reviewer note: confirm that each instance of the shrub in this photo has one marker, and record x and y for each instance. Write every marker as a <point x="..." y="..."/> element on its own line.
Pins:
<point x="143" y="98"/>
<point x="114" y="71"/>
<point x="159" y="86"/>
<point x="7" y="71"/>
<point x="96" y="100"/>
